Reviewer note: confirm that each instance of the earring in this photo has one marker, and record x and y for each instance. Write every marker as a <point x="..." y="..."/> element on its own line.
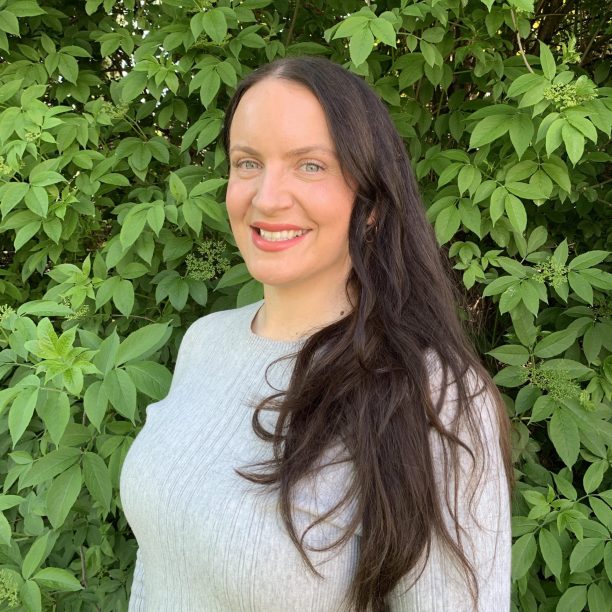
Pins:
<point x="371" y="232"/>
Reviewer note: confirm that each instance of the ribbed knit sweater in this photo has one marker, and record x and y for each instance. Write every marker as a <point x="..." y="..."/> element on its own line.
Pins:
<point x="211" y="541"/>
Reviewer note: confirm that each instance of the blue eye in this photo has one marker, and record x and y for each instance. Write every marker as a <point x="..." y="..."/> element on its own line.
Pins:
<point x="313" y="164"/>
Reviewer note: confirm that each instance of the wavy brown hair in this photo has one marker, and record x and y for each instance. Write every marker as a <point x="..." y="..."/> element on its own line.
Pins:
<point x="364" y="380"/>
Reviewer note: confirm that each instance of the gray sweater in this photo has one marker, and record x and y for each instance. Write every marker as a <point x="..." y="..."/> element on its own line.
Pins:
<point x="211" y="541"/>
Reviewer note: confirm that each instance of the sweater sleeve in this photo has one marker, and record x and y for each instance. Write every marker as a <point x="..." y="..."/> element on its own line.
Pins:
<point x="137" y="597"/>
<point x="483" y="513"/>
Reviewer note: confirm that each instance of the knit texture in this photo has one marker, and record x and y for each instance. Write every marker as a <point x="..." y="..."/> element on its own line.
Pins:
<point x="211" y="541"/>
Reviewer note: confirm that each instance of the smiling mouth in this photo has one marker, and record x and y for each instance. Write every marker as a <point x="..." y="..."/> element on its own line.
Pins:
<point x="280" y="236"/>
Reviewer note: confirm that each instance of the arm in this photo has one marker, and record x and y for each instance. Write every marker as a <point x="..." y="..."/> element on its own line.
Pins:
<point x="137" y="597"/>
<point x="486" y="536"/>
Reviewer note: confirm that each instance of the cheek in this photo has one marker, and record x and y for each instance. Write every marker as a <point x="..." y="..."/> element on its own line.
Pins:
<point x="235" y="200"/>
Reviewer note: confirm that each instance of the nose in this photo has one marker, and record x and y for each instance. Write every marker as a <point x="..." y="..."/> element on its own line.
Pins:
<point x="272" y="191"/>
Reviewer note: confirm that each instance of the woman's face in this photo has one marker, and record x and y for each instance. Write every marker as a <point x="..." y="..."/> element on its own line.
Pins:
<point x="288" y="202"/>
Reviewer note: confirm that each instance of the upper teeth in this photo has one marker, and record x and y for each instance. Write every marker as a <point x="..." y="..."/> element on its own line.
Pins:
<point x="284" y="235"/>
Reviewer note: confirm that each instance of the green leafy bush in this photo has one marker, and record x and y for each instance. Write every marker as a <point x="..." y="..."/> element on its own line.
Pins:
<point x="115" y="237"/>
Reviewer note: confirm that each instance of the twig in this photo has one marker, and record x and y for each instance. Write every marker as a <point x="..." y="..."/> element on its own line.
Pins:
<point x="520" y="44"/>
<point x="292" y="25"/>
<point x="588" y="47"/>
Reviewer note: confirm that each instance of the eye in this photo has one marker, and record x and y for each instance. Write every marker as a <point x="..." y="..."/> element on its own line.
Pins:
<point x="312" y="167"/>
<point x="243" y="164"/>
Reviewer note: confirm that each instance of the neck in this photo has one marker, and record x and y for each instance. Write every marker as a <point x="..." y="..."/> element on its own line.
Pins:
<point x="292" y="313"/>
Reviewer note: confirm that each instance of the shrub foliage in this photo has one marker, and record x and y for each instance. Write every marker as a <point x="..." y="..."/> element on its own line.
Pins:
<point x="115" y="237"/>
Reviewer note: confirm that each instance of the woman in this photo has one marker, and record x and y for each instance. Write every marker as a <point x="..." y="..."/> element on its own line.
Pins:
<point x="338" y="446"/>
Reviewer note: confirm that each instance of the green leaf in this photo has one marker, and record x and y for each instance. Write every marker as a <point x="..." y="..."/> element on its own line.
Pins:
<point x="177" y="188"/>
<point x="433" y="35"/>
<point x="574" y="142"/>
<point x="498" y="202"/>
<point x="123" y="297"/>
<point x="95" y="403"/>
<point x="515" y="209"/>
<point x="521" y="133"/>
<point x="523" y="84"/>
<point x="57" y="579"/>
<point x="37" y="554"/>
<point x="523" y="555"/>
<point x="551" y="551"/>
<point x="21" y="413"/>
<point x="384" y="31"/>
<point x="512" y="354"/>
<point x="214" y="24"/>
<point x="150" y="378"/>
<point x="132" y="226"/>
<point x="429" y="53"/>
<point x="30" y="595"/>
<point x="587" y="260"/>
<point x="512" y="376"/>
<point x="361" y="45"/>
<point x="581" y="286"/>
<point x="558" y="175"/>
<point x="141" y="342"/>
<point x="489" y="129"/>
<point x="563" y="433"/>
<point x="250" y="292"/>
<point x="62" y="494"/>
<point x="5" y="530"/>
<point x="97" y="479"/>
<point x="50" y="465"/>
<point x="573" y="600"/>
<point x="236" y="275"/>
<point x="465" y="178"/>
<point x="68" y="67"/>
<point x="55" y="413"/>
<point x="107" y="353"/>
<point x="121" y="392"/>
<point x="594" y="475"/>
<point x="9" y="23"/>
<point x="499" y="285"/>
<point x="350" y="26"/>
<point x="11" y="194"/>
<point x="555" y="343"/>
<point x="596" y="599"/>
<point x="547" y="61"/>
<point x="586" y="554"/>
<point x="44" y="308"/>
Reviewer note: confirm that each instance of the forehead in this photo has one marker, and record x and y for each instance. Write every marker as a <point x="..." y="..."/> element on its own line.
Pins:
<point x="278" y="111"/>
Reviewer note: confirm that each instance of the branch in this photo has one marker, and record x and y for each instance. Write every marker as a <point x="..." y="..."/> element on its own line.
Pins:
<point x="520" y="44"/>
<point x="292" y="25"/>
<point x="588" y="47"/>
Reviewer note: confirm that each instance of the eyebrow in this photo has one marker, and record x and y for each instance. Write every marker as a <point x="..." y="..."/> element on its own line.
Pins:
<point x="292" y="153"/>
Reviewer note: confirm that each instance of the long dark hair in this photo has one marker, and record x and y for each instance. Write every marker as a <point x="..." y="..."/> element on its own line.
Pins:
<point x="364" y="380"/>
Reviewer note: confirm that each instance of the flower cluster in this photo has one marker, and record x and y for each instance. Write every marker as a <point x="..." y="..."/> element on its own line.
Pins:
<point x="571" y="94"/>
<point x="81" y="313"/>
<point x="114" y="111"/>
<point x="559" y="386"/>
<point x="551" y="272"/>
<point x="210" y="263"/>
<point x="5" y="312"/>
<point x="9" y="589"/>
<point x="4" y="167"/>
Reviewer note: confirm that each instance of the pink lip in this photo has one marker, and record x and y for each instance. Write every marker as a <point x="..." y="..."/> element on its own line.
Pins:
<point x="272" y="247"/>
